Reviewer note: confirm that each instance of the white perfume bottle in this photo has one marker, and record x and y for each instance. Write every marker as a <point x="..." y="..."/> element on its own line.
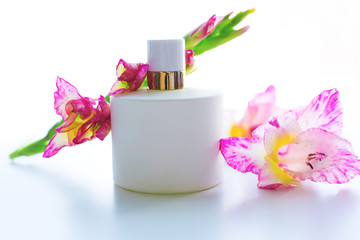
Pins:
<point x="166" y="139"/>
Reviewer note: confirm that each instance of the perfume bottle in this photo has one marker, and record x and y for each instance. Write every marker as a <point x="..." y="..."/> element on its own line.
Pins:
<point x="166" y="139"/>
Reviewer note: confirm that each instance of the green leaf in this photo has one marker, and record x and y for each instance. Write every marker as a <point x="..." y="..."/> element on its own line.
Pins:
<point x="228" y="24"/>
<point x="107" y="98"/>
<point x="223" y="32"/>
<point x="217" y="41"/>
<point x="145" y="84"/>
<point x="38" y="146"/>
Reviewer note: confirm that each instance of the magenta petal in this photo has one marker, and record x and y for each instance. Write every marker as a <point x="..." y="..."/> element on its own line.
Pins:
<point x="130" y="77"/>
<point x="320" y="156"/>
<point x="119" y="91"/>
<point x="120" y="68"/>
<point x="82" y="122"/>
<point x="58" y="141"/>
<point x="136" y="84"/>
<point x="205" y="28"/>
<point x="189" y="57"/>
<point x="63" y="95"/>
<point x="324" y="112"/>
<point x="243" y="154"/>
<point x="130" y="70"/>
<point x="190" y="60"/>
<point x="202" y="31"/>
<point x="104" y="107"/>
<point x="104" y="130"/>
<point x="105" y="121"/>
<point x="208" y="27"/>
<point x="85" y="133"/>
<point x="82" y="106"/>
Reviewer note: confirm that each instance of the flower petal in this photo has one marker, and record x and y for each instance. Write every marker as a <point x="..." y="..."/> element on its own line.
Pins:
<point x="131" y="76"/>
<point x="68" y="123"/>
<point x="273" y="177"/>
<point x="279" y="131"/>
<point x="119" y="87"/>
<point x="86" y="132"/>
<point x="104" y="130"/>
<point x="126" y="71"/>
<point x="103" y="107"/>
<point x="81" y="121"/>
<point x="320" y="156"/>
<point x="58" y="141"/>
<point x="104" y="121"/>
<point x="202" y="31"/>
<point x="258" y="133"/>
<point x="207" y="27"/>
<point x="63" y="95"/>
<point x="243" y="154"/>
<point x="190" y="60"/>
<point x="79" y="112"/>
<point x="259" y="110"/>
<point x="136" y="84"/>
<point x="83" y="106"/>
<point x="324" y="112"/>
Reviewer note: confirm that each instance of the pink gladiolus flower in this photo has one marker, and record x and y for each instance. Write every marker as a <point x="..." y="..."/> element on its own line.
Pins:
<point x="259" y="110"/>
<point x="298" y="145"/>
<point x="82" y="122"/>
<point x="130" y="77"/>
<point x="201" y="32"/>
<point x="190" y="61"/>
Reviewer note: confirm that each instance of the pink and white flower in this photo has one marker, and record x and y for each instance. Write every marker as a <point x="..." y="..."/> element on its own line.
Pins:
<point x="202" y="31"/>
<point x="81" y="120"/>
<point x="130" y="77"/>
<point x="259" y="110"/>
<point x="298" y="145"/>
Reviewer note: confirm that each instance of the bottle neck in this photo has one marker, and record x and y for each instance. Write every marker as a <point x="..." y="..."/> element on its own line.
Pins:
<point x="169" y="80"/>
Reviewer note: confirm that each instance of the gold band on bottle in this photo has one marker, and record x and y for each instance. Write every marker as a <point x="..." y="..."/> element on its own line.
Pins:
<point x="165" y="80"/>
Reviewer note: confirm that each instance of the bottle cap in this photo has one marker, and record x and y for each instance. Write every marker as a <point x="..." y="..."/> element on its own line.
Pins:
<point x="166" y="59"/>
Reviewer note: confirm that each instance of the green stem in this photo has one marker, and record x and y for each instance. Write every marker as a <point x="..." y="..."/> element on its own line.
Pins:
<point x="38" y="146"/>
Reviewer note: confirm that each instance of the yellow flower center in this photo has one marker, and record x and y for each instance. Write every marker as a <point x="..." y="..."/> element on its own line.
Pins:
<point x="238" y="131"/>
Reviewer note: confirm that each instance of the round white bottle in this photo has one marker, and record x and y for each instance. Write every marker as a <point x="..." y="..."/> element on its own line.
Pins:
<point x="167" y="141"/>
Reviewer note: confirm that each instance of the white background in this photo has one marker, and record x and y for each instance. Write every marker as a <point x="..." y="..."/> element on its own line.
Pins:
<point x="301" y="47"/>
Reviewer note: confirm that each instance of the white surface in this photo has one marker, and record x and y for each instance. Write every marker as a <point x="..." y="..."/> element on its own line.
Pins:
<point x="166" y="55"/>
<point x="73" y="197"/>
<point x="167" y="141"/>
<point x="301" y="47"/>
